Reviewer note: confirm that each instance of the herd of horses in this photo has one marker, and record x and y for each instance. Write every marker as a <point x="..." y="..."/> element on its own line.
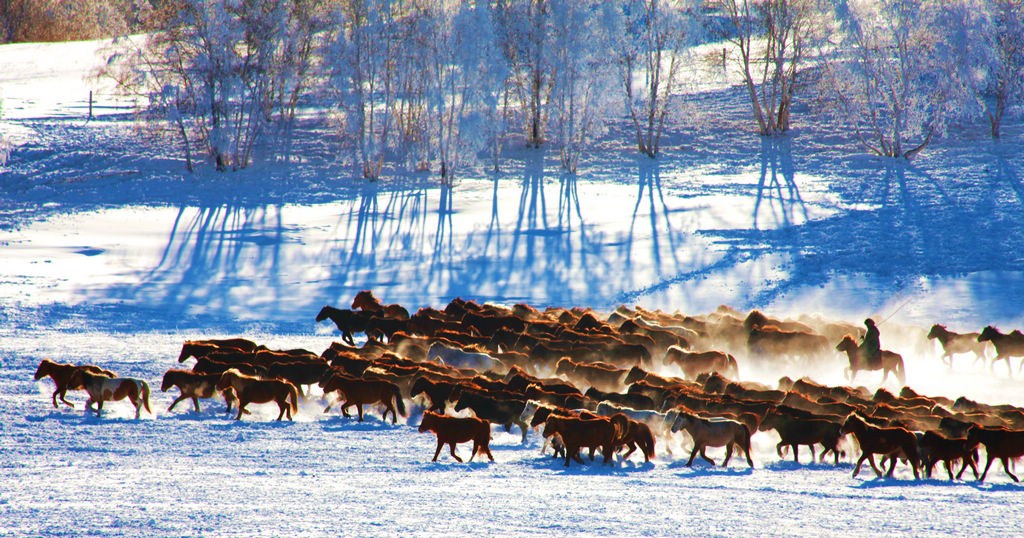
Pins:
<point x="597" y="382"/>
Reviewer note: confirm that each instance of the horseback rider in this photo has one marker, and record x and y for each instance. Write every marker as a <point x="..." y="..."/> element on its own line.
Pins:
<point x="870" y="349"/>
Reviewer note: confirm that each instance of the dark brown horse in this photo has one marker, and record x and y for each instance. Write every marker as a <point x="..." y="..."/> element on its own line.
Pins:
<point x="1007" y="345"/>
<point x="195" y="385"/>
<point x="200" y="348"/>
<point x="359" y="392"/>
<point x="892" y="362"/>
<point x="347" y="321"/>
<point x="251" y="389"/>
<point x="453" y="430"/>
<point x="61" y="375"/>
<point x="365" y="300"/>
<point x="891" y="442"/>
<point x="577" y="433"/>
<point x="1000" y="443"/>
<point x="103" y="389"/>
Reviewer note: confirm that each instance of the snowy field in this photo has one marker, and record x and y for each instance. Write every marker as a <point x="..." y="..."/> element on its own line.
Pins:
<point x="110" y="255"/>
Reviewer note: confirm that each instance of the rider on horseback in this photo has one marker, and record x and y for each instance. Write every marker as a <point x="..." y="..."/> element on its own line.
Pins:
<point x="870" y="349"/>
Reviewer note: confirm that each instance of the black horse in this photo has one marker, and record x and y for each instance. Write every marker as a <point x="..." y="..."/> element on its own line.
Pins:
<point x="348" y="321"/>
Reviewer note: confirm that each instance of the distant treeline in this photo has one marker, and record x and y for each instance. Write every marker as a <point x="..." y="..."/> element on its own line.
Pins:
<point x="441" y="84"/>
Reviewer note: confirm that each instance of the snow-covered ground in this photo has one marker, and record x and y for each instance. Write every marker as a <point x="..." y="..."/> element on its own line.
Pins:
<point x="110" y="255"/>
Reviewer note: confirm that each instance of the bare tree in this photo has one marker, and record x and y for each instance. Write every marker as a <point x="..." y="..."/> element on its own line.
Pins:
<point x="582" y="50"/>
<point x="652" y="34"/>
<point x="364" y="62"/>
<point x="772" y="38"/>
<point x="892" y="86"/>
<point x="1003" y="38"/>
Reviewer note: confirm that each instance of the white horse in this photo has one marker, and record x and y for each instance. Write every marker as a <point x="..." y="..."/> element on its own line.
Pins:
<point x="462" y="359"/>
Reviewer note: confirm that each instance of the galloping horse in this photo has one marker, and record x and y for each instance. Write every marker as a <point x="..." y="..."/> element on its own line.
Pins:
<point x="200" y="348"/>
<point x="61" y="375"/>
<point x="195" y="385"/>
<point x="365" y="300"/>
<point x="580" y="432"/>
<point x="452" y="430"/>
<point x="251" y="389"/>
<point x="1007" y="345"/>
<point x="348" y="321"/>
<point x="954" y="343"/>
<point x="891" y="361"/>
<point x="695" y="363"/>
<point x="102" y="388"/>
<point x="890" y="442"/>
<point x="358" y="392"/>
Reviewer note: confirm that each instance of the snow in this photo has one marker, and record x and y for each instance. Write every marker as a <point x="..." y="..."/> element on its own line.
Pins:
<point x="110" y="255"/>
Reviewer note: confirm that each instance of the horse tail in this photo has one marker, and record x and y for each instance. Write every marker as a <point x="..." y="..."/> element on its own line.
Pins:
<point x="647" y="441"/>
<point x="901" y="374"/>
<point x="734" y="366"/>
<point x="293" y="395"/>
<point x="399" y="402"/>
<point x="145" y="395"/>
<point x="621" y="424"/>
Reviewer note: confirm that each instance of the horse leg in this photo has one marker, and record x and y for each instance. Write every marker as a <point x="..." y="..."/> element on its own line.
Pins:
<point x="860" y="462"/>
<point x="778" y="448"/>
<point x="632" y="448"/>
<point x="241" y="408"/>
<point x="522" y="426"/>
<point x="728" y="454"/>
<point x="704" y="455"/>
<point x="949" y="470"/>
<point x="195" y="401"/>
<point x="359" y="409"/>
<point x="451" y="448"/>
<point x="176" y="400"/>
<point x="592" y="450"/>
<point x="1006" y="468"/>
<point x="440" y="444"/>
<point x="985" y="472"/>
<point x="62" y="393"/>
<point x="693" y="454"/>
<point x="796" y="453"/>
<point x="472" y="454"/>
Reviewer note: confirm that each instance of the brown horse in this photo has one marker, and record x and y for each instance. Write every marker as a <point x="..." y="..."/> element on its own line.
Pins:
<point x="252" y="389"/>
<point x="605" y="377"/>
<point x="452" y="430"/>
<point x="634" y="434"/>
<point x="102" y="388"/>
<point x="195" y="385"/>
<point x="694" y="364"/>
<point x="955" y="343"/>
<point x="1007" y="345"/>
<point x="579" y="432"/>
<point x="365" y="300"/>
<point x="61" y="375"/>
<point x="713" y="432"/>
<point x="891" y="361"/>
<point x="1001" y="444"/>
<point x="891" y="442"/>
<point x="358" y="392"/>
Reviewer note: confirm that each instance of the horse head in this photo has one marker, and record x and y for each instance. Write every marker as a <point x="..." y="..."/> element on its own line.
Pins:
<point x="635" y="373"/>
<point x="429" y="420"/>
<point x="366" y="301"/>
<point x="988" y="333"/>
<point x="45" y="367"/>
<point x="324" y="312"/>
<point x="846" y="344"/>
<point x="937" y="331"/>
